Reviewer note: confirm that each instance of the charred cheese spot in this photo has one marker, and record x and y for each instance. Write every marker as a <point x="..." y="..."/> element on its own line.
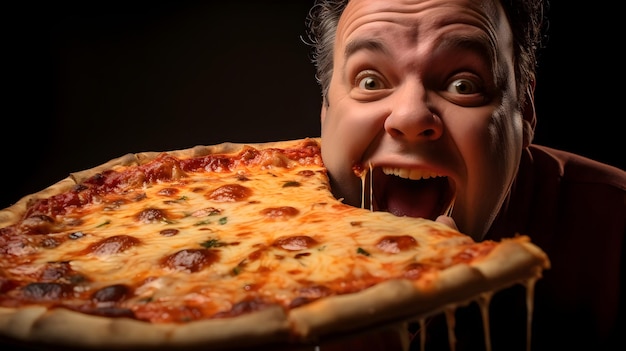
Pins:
<point x="295" y="243"/>
<point x="192" y="260"/>
<point x="114" y="244"/>
<point x="282" y="212"/>
<point x="229" y="193"/>
<point x="60" y="272"/>
<point x="38" y="224"/>
<point x="396" y="244"/>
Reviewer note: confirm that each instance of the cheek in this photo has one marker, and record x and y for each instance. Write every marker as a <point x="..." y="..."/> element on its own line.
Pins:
<point x="489" y="145"/>
<point x="349" y="128"/>
<point x="507" y="141"/>
<point x="490" y="150"/>
<point x="347" y="131"/>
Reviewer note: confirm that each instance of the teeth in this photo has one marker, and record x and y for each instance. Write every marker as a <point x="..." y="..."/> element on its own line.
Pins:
<point x="413" y="174"/>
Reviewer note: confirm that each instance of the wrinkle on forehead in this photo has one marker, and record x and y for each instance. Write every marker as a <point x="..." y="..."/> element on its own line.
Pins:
<point x="490" y="34"/>
<point x="480" y="13"/>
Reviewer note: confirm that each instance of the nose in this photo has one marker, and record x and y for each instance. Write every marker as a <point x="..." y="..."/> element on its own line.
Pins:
<point x="411" y="118"/>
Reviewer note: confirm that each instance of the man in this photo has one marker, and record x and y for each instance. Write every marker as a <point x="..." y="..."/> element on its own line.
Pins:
<point x="434" y="98"/>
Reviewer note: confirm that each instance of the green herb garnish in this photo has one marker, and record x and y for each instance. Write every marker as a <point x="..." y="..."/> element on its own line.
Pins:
<point x="212" y="243"/>
<point x="361" y="251"/>
<point x="103" y="223"/>
<point x="206" y="221"/>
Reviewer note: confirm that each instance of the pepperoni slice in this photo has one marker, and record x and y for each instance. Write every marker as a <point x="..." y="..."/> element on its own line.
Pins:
<point x="114" y="244"/>
<point x="280" y="212"/>
<point x="192" y="260"/>
<point x="396" y="244"/>
<point x="295" y="243"/>
<point x="230" y="193"/>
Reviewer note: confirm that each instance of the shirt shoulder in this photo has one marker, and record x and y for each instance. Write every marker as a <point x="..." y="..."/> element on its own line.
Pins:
<point x="570" y="167"/>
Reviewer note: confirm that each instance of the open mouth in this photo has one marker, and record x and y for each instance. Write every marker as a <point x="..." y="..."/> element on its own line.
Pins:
<point x="410" y="192"/>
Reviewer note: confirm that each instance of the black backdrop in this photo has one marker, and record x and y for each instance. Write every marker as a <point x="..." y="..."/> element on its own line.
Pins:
<point x="92" y="81"/>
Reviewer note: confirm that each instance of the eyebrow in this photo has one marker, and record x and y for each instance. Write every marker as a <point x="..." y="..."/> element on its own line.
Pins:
<point x="364" y="44"/>
<point x="477" y="44"/>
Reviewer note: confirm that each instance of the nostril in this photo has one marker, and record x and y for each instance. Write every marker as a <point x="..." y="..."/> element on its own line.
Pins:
<point x="413" y="127"/>
<point x="428" y="133"/>
<point x="395" y="132"/>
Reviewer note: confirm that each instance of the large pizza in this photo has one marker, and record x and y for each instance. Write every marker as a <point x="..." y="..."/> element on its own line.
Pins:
<point x="229" y="246"/>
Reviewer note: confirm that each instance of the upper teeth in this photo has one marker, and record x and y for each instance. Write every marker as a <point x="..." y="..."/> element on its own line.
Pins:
<point x="414" y="174"/>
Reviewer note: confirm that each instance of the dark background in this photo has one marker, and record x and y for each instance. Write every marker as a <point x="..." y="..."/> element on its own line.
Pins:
<point x="88" y="82"/>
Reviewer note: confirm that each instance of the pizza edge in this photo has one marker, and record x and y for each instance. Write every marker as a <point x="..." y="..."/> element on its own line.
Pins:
<point x="12" y="214"/>
<point x="513" y="261"/>
<point x="57" y="328"/>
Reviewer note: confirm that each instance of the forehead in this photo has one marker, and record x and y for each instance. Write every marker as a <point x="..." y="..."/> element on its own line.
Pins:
<point x="411" y="21"/>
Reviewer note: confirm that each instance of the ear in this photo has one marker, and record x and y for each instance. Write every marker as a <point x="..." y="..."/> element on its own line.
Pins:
<point x="529" y="114"/>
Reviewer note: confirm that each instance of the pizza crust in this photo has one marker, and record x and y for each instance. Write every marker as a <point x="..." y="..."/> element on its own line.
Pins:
<point x="13" y="213"/>
<point x="515" y="261"/>
<point x="58" y="328"/>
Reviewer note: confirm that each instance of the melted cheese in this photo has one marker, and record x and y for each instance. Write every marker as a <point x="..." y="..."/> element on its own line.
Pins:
<point x="346" y="244"/>
<point x="208" y="241"/>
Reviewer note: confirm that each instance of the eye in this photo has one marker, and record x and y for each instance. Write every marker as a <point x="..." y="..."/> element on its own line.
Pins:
<point x="467" y="90"/>
<point x="369" y="83"/>
<point x="463" y="87"/>
<point x="368" y="80"/>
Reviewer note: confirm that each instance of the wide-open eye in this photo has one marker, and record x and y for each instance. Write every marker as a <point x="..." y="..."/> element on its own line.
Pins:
<point x="368" y="80"/>
<point x="370" y="83"/>
<point x="467" y="90"/>
<point x="463" y="87"/>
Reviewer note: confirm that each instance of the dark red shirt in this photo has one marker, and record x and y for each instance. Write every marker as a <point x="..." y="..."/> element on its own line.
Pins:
<point x="574" y="209"/>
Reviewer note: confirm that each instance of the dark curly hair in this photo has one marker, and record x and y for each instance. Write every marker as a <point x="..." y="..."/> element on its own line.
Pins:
<point x="527" y="19"/>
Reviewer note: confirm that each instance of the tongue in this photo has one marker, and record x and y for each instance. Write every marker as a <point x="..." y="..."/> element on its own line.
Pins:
<point x="414" y="198"/>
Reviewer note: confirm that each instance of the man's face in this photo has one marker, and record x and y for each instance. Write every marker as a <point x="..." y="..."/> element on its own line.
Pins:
<point x="423" y="92"/>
